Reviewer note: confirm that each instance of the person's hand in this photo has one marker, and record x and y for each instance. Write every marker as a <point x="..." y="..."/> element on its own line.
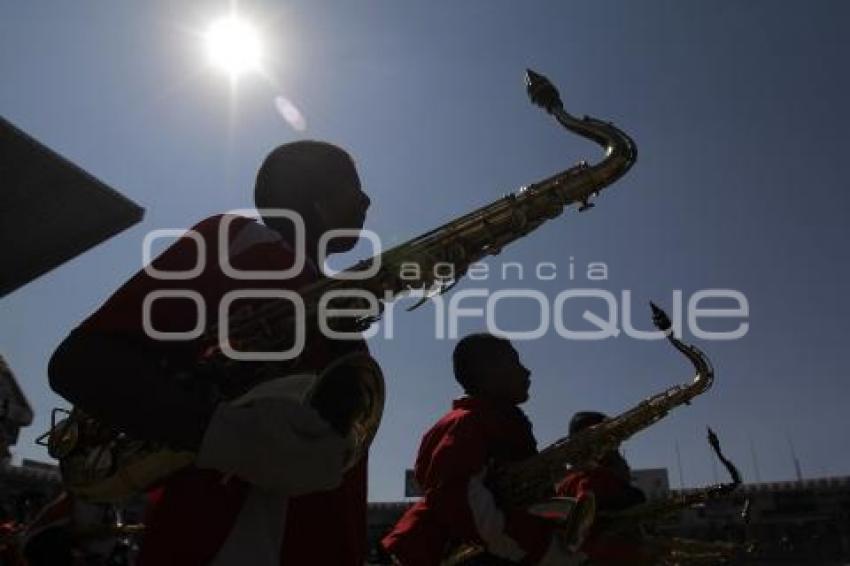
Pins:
<point x="571" y="532"/>
<point x="272" y="440"/>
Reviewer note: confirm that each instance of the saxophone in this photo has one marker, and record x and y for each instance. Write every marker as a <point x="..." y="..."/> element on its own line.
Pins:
<point x="530" y="481"/>
<point x="460" y="242"/>
<point x="657" y="509"/>
<point x="101" y="464"/>
<point x="678" y="550"/>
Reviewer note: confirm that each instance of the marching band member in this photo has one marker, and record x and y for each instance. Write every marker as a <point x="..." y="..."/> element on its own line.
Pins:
<point x="267" y="470"/>
<point x="610" y="484"/>
<point x="484" y="427"/>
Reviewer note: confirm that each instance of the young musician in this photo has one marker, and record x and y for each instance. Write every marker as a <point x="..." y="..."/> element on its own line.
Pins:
<point x="485" y="427"/>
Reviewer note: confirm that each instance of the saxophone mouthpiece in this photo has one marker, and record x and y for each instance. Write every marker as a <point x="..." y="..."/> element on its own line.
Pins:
<point x="541" y="91"/>
<point x="660" y="318"/>
<point x="712" y="439"/>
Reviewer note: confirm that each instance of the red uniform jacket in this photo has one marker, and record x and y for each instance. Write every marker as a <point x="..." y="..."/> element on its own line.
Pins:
<point x="194" y="510"/>
<point x="472" y="435"/>
<point x="613" y="492"/>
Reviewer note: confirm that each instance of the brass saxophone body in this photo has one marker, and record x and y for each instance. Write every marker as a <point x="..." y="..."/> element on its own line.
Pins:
<point x="102" y="464"/>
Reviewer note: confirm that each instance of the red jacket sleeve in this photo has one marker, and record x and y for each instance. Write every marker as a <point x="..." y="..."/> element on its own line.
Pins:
<point x="460" y="454"/>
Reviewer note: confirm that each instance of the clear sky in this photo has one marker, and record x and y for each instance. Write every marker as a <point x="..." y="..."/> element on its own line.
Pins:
<point x="739" y="110"/>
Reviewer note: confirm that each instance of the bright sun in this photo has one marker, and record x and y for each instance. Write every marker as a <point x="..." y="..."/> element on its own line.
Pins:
<point x="233" y="46"/>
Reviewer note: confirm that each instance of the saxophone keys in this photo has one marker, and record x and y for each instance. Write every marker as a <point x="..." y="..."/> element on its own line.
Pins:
<point x="585" y="205"/>
<point x="518" y="220"/>
<point x="425" y="298"/>
<point x="63" y="438"/>
<point x="446" y="288"/>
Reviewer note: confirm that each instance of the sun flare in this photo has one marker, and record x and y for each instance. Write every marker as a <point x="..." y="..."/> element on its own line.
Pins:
<point x="233" y="46"/>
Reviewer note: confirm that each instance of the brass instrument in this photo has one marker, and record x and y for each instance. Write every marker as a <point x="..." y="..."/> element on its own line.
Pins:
<point x="657" y="509"/>
<point x="677" y="550"/>
<point x="531" y="481"/>
<point x="101" y="464"/>
<point x="462" y="241"/>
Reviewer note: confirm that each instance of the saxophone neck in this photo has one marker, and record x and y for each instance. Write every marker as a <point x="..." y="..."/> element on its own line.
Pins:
<point x="620" y="149"/>
<point x="704" y="377"/>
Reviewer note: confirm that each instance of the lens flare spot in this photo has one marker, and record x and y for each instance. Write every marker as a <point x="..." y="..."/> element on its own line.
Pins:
<point x="290" y="113"/>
